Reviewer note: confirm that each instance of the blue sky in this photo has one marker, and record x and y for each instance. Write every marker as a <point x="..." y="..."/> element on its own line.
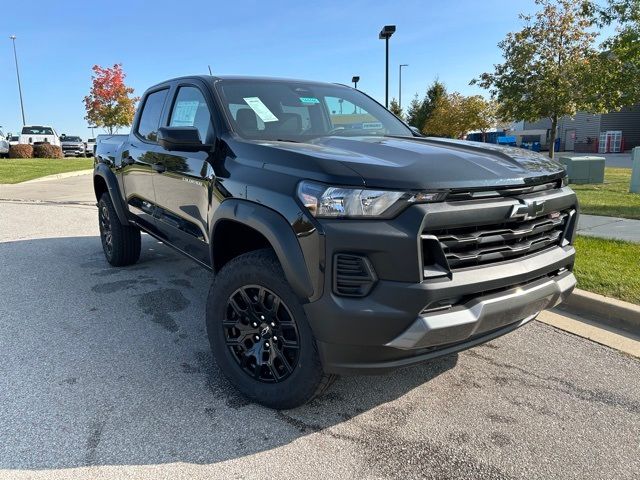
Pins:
<point x="58" y="42"/>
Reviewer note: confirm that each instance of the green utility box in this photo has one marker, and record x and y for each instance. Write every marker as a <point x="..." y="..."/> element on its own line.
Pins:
<point x="584" y="169"/>
<point x="635" y="171"/>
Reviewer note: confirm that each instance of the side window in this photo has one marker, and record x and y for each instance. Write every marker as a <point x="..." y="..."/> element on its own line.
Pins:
<point x="150" y="117"/>
<point x="190" y="110"/>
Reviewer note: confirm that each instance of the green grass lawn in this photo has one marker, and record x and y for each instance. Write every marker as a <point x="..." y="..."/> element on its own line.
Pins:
<point x="16" y="170"/>
<point x="612" y="198"/>
<point x="609" y="267"/>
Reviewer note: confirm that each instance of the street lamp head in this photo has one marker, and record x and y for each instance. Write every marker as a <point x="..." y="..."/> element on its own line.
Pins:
<point x="355" y="79"/>
<point x="12" y="37"/>
<point x="404" y="64"/>
<point x="387" y="31"/>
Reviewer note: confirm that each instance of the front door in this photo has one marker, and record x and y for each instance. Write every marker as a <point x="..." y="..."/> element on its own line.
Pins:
<point x="569" y="140"/>
<point x="183" y="188"/>
<point x="140" y="161"/>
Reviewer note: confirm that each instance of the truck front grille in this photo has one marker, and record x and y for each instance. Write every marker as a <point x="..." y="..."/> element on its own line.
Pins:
<point x="479" y="245"/>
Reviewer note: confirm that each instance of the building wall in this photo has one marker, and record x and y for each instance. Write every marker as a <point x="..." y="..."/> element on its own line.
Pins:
<point x="587" y="130"/>
<point x="588" y="127"/>
<point x="628" y="121"/>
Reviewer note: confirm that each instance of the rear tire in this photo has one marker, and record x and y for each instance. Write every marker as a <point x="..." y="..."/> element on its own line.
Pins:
<point x="120" y="243"/>
<point x="260" y="335"/>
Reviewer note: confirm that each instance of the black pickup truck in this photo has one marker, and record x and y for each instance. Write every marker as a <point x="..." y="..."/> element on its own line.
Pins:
<point x="339" y="240"/>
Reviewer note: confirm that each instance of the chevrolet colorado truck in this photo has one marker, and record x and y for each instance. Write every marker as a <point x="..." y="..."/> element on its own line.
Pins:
<point x="339" y="240"/>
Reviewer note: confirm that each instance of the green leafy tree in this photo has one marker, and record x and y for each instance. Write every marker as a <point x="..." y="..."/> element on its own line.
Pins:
<point x="548" y="66"/>
<point x="109" y="104"/>
<point x="420" y="110"/>
<point x="413" y="112"/>
<point x="444" y="118"/>
<point x="618" y="68"/>
<point x="394" y="107"/>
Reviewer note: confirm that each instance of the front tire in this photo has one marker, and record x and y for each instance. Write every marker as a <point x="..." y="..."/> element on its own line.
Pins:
<point x="260" y="335"/>
<point x="120" y="243"/>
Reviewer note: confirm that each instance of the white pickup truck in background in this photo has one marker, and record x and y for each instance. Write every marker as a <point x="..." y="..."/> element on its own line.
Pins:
<point x="35" y="134"/>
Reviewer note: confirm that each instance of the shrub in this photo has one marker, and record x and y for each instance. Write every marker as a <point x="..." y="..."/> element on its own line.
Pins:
<point x="46" y="150"/>
<point x="20" y="151"/>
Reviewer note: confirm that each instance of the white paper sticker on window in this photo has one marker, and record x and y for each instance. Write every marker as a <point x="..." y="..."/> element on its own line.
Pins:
<point x="261" y="109"/>
<point x="184" y="113"/>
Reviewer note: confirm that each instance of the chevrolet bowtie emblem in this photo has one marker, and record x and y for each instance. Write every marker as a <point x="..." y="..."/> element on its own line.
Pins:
<point x="527" y="210"/>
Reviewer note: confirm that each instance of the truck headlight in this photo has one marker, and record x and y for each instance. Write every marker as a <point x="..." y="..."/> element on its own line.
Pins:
<point x="333" y="201"/>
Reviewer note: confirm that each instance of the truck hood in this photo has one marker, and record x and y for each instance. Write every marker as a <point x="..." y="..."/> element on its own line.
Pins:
<point x="429" y="163"/>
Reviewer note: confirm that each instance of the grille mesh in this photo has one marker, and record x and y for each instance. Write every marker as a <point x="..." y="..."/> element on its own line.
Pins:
<point x="478" y="245"/>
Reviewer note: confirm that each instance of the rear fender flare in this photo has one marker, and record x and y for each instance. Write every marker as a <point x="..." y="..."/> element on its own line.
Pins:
<point x="103" y="171"/>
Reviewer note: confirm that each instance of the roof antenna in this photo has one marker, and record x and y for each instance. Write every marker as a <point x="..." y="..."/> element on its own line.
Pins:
<point x="210" y="70"/>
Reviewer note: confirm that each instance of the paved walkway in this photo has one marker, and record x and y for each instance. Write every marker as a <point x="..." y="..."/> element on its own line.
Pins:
<point x="609" y="227"/>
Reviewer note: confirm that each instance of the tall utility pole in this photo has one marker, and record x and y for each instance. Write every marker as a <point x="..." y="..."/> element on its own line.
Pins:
<point x="400" y="84"/>
<point x="15" y="56"/>
<point x="385" y="34"/>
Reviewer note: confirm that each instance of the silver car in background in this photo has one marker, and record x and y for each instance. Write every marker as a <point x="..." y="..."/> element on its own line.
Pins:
<point x="72" y="146"/>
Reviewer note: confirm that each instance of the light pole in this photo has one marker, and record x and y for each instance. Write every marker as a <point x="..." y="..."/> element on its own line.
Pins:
<point x="400" y="84"/>
<point x="92" y="127"/>
<point x="15" y="56"/>
<point x="385" y="34"/>
<point x="355" y="81"/>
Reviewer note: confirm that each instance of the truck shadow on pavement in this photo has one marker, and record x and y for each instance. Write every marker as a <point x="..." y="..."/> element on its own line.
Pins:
<point x="107" y="366"/>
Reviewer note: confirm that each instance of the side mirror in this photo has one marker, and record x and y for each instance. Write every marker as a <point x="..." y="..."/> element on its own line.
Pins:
<point x="182" y="139"/>
<point x="416" y="131"/>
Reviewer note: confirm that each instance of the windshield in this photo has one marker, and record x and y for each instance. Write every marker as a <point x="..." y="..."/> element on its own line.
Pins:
<point x="71" y="139"/>
<point x="37" y="131"/>
<point x="298" y="111"/>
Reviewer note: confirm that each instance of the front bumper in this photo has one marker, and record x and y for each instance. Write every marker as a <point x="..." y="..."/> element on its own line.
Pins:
<point x="390" y="329"/>
<point x="73" y="151"/>
<point x="485" y="313"/>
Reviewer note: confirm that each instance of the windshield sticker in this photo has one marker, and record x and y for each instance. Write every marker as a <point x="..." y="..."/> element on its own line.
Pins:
<point x="261" y="109"/>
<point x="372" y="126"/>
<point x="309" y="100"/>
<point x="184" y="113"/>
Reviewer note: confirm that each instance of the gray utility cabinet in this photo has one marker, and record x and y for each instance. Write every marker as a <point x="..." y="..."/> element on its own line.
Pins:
<point x="584" y="169"/>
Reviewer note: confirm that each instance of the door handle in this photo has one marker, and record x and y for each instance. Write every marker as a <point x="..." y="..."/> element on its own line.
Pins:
<point x="159" y="167"/>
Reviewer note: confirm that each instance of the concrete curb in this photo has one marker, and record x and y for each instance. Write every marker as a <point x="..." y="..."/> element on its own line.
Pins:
<point x="57" y="176"/>
<point x="609" y="311"/>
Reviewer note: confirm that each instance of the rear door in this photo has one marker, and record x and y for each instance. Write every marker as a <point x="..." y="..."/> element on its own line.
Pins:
<point x="142" y="159"/>
<point x="182" y="190"/>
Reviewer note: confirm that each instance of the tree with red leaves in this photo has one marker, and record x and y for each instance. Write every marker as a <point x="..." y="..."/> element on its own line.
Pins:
<point x="109" y="104"/>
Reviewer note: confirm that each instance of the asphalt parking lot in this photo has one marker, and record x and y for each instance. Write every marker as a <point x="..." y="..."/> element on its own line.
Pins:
<point x="106" y="373"/>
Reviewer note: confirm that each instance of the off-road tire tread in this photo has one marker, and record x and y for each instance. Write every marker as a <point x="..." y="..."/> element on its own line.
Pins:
<point x="126" y="243"/>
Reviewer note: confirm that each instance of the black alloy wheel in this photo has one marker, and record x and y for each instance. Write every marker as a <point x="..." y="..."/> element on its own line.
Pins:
<point x="261" y="334"/>
<point x="106" y="234"/>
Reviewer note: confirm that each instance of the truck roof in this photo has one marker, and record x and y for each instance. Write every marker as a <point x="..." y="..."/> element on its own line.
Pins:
<point x="214" y="78"/>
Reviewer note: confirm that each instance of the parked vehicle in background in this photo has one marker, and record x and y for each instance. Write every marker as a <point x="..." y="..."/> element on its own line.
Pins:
<point x="35" y="134"/>
<point x="4" y="145"/>
<point x="339" y="242"/>
<point x="89" y="147"/>
<point x="72" y="146"/>
<point x="14" y="139"/>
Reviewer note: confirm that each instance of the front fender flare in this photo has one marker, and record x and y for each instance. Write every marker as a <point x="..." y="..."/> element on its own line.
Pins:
<point x="275" y="228"/>
<point x="103" y="171"/>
